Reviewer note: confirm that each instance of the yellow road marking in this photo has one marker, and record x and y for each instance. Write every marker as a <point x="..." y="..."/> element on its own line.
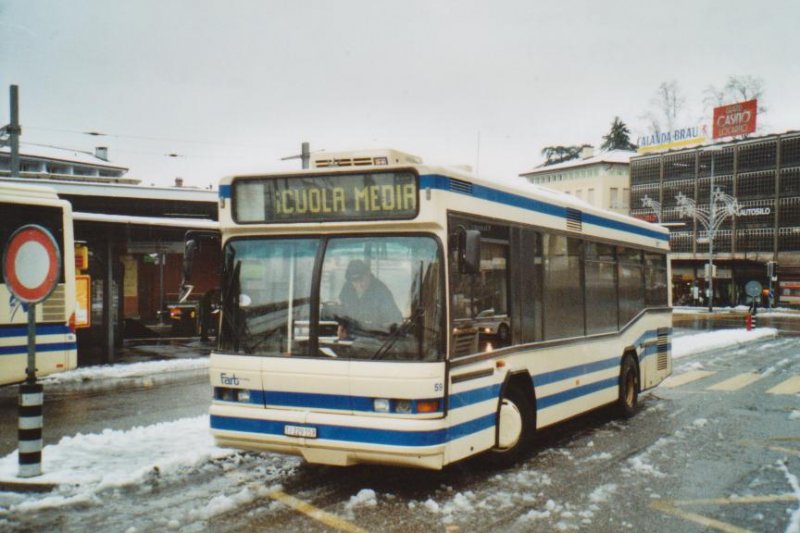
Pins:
<point x="769" y="498"/>
<point x="790" y="386"/>
<point x="666" y="507"/>
<point x="314" y="513"/>
<point x="780" y="449"/>
<point x="736" y="382"/>
<point x="670" y="507"/>
<point x="687" y="377"/>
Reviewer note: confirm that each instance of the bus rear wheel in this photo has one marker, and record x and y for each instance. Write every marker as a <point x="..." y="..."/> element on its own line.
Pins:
<point x="628" y="398"/>
<point x="515" y="428"/>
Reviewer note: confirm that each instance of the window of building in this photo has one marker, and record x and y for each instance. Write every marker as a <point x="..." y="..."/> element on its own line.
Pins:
<point x="590" y="196"/>
<point x="614" y="198"/>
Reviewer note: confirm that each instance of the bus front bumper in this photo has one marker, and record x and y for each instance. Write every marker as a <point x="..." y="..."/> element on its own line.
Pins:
<point x="332" y="438"/>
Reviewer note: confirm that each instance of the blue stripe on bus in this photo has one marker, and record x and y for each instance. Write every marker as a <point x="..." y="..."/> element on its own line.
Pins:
<point x="470" y="397"/>
<point x="571" y="394"/>
<point x="574" y="371"/>
<point x="224" y="191"/>
<point x="354" y="434"/>
<point x="41" y="329"/>
<point x="52" y="347"/>
<point x="318" y="401"/>
<point x="308" y="400"/>
<point x="435" y="181"/>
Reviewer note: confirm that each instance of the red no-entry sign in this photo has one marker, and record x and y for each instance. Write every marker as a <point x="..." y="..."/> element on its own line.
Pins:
<point x="31" y="263"/>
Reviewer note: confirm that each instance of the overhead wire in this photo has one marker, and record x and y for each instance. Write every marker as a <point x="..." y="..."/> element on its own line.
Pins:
<point x="141" y="137"/>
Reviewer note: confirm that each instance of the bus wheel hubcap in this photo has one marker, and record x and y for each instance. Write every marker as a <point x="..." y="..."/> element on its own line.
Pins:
<point x="510" y="425"/>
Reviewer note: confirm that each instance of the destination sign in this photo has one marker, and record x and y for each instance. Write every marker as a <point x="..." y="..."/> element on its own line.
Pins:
<point x="338" y="197"/>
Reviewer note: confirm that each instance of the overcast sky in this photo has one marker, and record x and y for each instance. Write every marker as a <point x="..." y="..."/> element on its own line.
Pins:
<point x="234" y="86"/>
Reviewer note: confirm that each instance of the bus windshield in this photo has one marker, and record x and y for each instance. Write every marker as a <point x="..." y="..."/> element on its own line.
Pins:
<point x="361" y="297"/>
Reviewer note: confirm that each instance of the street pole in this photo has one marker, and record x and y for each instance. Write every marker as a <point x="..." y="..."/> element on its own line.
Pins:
<point x="711" y="232"/>
<point x="14" y="131"/>
<point x="305" y="155"/>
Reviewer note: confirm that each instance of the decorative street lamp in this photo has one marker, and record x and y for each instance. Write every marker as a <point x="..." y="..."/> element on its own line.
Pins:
<point x="720" y="207"/>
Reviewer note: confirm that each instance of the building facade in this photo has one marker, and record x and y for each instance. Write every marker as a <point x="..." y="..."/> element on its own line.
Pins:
<point x="134" y="240"/>
<point x="763" y="176"/>
<point x="601" y="180"/>
<point x="59" y="163"/>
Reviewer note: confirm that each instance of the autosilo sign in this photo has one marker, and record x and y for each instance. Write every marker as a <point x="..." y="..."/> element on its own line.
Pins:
<point x="754" y="211"/>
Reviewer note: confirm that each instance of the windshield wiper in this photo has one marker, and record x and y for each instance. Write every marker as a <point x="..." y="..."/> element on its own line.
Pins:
<point x="400" y="331"/>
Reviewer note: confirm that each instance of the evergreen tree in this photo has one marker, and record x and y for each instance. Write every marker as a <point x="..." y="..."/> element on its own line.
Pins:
<point x="558" y="154"/>
<point x="618" y="137"/>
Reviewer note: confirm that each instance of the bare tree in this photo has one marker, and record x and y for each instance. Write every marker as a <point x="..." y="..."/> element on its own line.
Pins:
<point x="736" y="89"/>
<point x="667" y="104"/>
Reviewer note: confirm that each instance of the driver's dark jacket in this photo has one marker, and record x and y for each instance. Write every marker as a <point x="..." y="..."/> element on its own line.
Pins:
<point x="374" y="310"/>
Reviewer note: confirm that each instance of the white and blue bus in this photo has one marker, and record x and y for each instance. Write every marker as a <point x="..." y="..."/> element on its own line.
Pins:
<point x="56" y="344"/>
<point x="495" y="310"/>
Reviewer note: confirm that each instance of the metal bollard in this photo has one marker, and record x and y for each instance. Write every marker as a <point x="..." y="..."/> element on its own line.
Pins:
<point x="31" y="396"/>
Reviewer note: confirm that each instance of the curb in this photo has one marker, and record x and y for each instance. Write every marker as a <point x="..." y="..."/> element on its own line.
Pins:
<point x="26" y="486"/>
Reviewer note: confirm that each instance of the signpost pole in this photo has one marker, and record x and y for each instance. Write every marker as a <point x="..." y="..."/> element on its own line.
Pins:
<point x="30" y="371"/>
<point x="31" y="397"/>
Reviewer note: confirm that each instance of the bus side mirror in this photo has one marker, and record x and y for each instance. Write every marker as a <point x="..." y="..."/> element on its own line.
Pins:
<point x="188" y="258"/>
<point x="469" y="251"/>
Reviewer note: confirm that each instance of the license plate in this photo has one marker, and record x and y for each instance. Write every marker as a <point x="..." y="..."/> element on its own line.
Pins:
<point x="300" y="431"/>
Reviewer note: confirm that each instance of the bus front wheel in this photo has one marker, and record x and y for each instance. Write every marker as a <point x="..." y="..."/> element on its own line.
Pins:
<point x="628" y="398"/>
<point x="515" y="428"/>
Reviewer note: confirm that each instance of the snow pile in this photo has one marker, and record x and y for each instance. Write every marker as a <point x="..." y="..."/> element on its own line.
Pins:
<point x="364" y="498"/>
<point x="603" y="493"/>
<point x="223" y="503"/>
<point x="714" y="340"/>
<point x="132" y="370"/>
<point x="84" y="465"/>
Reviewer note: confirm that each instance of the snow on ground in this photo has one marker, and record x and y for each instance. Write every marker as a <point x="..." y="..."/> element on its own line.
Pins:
<point x="85" y="466"/>
<point x="714" y="340"/>
<point x="774" y="312"/>
<point x="131" y="370"/>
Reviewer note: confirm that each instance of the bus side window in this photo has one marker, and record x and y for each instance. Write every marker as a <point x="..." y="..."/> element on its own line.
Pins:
<point x="480" y="299"/>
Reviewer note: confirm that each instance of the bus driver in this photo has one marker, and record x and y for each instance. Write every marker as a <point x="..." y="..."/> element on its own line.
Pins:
<point x="366" y="302"/>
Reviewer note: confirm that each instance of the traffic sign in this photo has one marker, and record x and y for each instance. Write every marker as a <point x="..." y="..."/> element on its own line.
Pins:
<point x="31" y="263"/>
<point x="753" y="288"/>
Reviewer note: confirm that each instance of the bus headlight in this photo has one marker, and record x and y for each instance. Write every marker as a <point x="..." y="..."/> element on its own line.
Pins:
<point x="403" y="406"/>
<point x="381" y="405"/>
<point x="227" y="394"/>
